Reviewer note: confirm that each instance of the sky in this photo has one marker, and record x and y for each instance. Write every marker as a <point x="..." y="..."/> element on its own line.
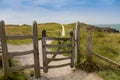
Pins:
<point x="60" y="11"/>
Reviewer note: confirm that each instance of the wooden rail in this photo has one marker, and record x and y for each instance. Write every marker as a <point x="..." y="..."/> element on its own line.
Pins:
<point x="89" y="54"/>
<point x="53" y="38"/>
<point x="16" y="68"/>
<point x="57" y="66"/>
<point x="19" y="37"/>
<point x="59" y="59"/>
<point x="56" y="46"/>
<point x="57" y="52"/>
<point x="106" y="59"/>
<point x="20" y="53"/>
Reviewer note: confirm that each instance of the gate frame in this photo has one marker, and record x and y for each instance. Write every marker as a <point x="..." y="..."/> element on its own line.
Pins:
<point x="6" y="55"/>
<point x="46" y="60"/>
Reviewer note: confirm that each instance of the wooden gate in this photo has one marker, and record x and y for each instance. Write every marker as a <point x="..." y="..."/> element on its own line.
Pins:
<point x="45" y="51"/>
<point x="7" y="55"/>
<point x="73" y="51"/>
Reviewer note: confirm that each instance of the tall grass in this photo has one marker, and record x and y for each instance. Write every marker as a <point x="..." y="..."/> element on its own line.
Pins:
<point x="52" y="30"/>
<point x="104" y="43"/>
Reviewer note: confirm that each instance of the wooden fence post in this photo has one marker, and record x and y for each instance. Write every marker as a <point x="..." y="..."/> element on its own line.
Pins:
<point x="77" y="43"/>
<point x="45" y="65"/>
<point x="4" y="48"/>
<point x="89" y="49"/>
<point x="36" y="51"/>
<point x="72" y="48"/>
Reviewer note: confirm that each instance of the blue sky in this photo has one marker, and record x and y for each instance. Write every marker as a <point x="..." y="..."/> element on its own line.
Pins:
<point x="61" y="11"/>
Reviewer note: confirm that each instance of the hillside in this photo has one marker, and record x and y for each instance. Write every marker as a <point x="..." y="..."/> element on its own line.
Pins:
<point x="106" y="41"/>
<point x="21" y="29"/>
<point x="109" y="38"/>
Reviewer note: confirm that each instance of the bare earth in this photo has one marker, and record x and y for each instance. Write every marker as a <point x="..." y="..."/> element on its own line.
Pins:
<point x="64" y="73"/>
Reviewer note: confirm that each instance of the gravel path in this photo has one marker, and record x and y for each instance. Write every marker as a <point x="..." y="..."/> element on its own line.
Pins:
<point x="64" y="73"/>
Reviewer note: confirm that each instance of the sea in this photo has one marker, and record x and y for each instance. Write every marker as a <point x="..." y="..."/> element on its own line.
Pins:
<point x="115" y="26"/>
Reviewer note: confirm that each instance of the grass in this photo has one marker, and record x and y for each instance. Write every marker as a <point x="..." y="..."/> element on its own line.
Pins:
<point x="19" y="42"/>
<point x="104" y="43"/>
<point x="14" y="76"/>
<point x="110" y="74"/>
<point x="18" y="30"/>
<point x="19" y="75"/>
<point x="53" y="29"/>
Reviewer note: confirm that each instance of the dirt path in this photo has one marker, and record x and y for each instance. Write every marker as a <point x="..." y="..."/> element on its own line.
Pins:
<point x="64" y="73"/>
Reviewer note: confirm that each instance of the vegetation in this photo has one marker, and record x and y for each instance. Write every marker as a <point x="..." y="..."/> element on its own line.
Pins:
<point x="105" y="41"/>
<point x="27" y="30"/>
<point x="14" y="76"/>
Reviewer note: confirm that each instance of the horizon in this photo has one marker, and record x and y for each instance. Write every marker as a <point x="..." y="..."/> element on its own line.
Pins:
<point x="63" y="11"/>
<point x="59" y="23"/>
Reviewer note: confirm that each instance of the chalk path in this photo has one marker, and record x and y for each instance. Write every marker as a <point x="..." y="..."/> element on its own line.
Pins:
<point x="64" y="73"/>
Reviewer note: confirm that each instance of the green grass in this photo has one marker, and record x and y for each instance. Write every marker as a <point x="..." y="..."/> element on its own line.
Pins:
<point x="19" y="42"/>
<point x="104" y="43"/>
<point x="52" y="29"/>
<point x="110" y="74"/>
<point x="14" y="76"/>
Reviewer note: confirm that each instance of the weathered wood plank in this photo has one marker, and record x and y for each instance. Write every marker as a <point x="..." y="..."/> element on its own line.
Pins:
<point x="16" y="68"/>
<point x="72" y="49"/>
<point x="45" y="65"/>
<point x="57" y="66"/>
<point x="53" y="38"/>
<point x="57" y="46"/>
<point x="106" y="59"/>
<point x="19" y="37"/>
<point x="36" y="51"/>
<point x="89" y="49"/>
<point x="77" y="43"/>
<point x="58" y="52"/>
<point x="4" y="48"/>
<point x="20" y="53"/>
<point x="58" y="59"/>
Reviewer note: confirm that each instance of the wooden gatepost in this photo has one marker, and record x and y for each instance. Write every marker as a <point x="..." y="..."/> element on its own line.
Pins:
<point x="7" y="55"/>
<point x="76" y="31"/>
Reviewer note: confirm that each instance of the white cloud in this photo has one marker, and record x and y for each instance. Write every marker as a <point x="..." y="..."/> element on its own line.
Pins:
<point x="15" y="17"/>
<point x="21" y="13"/>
